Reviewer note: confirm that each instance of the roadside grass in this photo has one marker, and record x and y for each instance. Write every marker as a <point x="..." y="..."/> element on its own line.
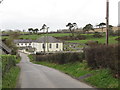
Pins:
<point x="76" y="69"/>
<point x="18" y="60"/>
<point x="10" y="78"/>
<point x="0" y="74"/>
<point x="10" y="71"/>
<point x="101" y="78"/>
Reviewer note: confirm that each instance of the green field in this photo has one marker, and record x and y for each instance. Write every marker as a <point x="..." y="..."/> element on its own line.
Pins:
<point x="35" y="36"/>
<point x="38" y="36"/>
<point x="100" y="40"/>
<point x="89" y="37"/>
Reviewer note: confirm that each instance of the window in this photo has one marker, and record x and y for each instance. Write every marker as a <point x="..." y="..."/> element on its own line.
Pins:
<point x="29" y="43"/>
<point x="25" y="43"/>
<point x="50" y="45"/>
<point x="18" y="44"/>
<point x="21" y="43"/>
<point x="43" y="46"/>
<point x="56" y="45"/>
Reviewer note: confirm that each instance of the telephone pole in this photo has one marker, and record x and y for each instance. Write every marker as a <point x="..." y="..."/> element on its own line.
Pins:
<point x="47" y="39"/>
<point x="107" y="22"/>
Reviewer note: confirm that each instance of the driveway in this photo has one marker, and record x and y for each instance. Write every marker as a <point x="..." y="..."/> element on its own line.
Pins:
<point x="39" y="76"/>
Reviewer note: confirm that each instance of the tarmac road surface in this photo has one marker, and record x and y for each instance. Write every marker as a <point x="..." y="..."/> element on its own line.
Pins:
<point x="39" y="76"/>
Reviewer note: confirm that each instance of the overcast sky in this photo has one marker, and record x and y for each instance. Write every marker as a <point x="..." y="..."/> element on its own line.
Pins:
<point x="24" y="14"/>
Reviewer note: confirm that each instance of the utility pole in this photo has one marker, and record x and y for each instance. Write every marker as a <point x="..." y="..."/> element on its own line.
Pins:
<point x="107" y="22"/>
<point x="44" y="44"/>
<point x="119" y="15"/>
<point x="47" y="40"/>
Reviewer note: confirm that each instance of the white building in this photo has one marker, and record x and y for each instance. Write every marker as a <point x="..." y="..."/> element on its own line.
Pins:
<point x="43" y="44"/>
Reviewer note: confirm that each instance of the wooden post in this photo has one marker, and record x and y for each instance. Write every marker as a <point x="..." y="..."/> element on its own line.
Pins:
<point x="107" y="22"/>
<point x="47" y="40"/>
<point x="44" y="40"/>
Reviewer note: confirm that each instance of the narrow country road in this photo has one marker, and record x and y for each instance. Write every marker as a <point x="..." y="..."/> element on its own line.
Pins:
<point x="39" y="76"/>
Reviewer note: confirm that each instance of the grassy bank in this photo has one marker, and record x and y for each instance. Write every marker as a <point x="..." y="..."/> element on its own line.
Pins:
<point x="10" y="71"/>
<point x="10" y="78"/>
<point x="101" y="78"/>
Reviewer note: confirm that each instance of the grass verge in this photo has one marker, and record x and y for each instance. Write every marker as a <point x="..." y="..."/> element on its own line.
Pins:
<point x="10" y="78"/>
<point x="102" y="78"/>
<point x="18" y="60"/>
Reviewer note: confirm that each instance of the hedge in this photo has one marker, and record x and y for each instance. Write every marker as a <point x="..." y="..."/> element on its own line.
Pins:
<point x="103" y="56"/>
<point x="61" y="58"/>
<point x="8" y="61"/>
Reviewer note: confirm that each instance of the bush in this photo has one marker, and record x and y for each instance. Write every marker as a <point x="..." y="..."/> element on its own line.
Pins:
<point x="118" y="39"/>
<point x="92" y="43"/>
<point x="102" y="56"/>
<point x="117" y="32"/>
<point x="60" y="58"/>
<point x="111" y="32"/>
<point x="80" y="37"/>
<point x="97" y="35"/>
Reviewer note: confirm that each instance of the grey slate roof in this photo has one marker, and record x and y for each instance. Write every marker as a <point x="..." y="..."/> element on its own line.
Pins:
<point x="48" y="39"/>
<point x="24" y="41"/>
<point x="42" y="39"/>
<point x="4" y="47"/>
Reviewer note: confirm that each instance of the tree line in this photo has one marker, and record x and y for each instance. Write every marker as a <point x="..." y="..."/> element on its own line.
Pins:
<point x="71" y="27"/>
<point x="87" y="28"/>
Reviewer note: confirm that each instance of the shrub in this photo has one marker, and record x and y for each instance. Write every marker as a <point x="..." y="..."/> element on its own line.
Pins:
<point x="92" y="43"/>
<point x="102" y="56"/>
<point x="117" y="32"/>
<point x="80" y="37"/>
<point x="97" y="35"/>
<point x="111" y="32"/>
<point x="118" y="39"/>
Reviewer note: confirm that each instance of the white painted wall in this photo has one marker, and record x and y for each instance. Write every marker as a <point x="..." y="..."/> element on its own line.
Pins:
<point x="39" y="46"/>
<point x="23" y="44"/>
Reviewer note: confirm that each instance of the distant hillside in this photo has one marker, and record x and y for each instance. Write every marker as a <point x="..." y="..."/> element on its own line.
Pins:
<point x="95" y="29"/>
<point x="104" y="29"/>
